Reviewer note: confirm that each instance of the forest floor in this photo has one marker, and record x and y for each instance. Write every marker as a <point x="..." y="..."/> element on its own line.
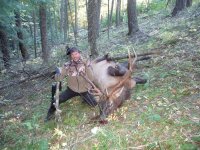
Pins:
<point x="164" y="113"/>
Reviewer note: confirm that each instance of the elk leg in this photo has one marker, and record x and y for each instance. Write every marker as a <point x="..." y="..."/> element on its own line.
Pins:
<point x="126" y="65"/>
<point x="118" y="70"/>
<point x="140" y="80"/>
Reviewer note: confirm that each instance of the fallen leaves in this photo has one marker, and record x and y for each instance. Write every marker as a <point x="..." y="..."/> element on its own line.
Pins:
<point x="58" y="132"/>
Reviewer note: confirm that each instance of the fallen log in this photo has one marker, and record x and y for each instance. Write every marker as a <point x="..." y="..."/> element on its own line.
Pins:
<point x="115" y="58"/>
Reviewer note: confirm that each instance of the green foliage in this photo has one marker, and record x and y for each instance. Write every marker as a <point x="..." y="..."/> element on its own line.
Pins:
<point x="123" y="18"/>
<point x="104" y="22"/>
<point x="6" y="12"/>
<point x="154" y="117"/>
<point x="196" y="139"/>
<point x="41" y="144"/>
<point x="151" y="7"/>
<point x="31" y="125"/>
<point x="71" y="120"/>
<point x="161" y="114"/>
<point x="110" y="140"/>
<point x="189" y="146"/>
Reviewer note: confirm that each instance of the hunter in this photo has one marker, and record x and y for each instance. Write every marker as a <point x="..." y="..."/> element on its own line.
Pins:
<point x="77" y="85"/>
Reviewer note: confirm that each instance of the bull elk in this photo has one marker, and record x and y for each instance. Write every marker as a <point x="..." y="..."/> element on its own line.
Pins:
<point x="112" y="83"/>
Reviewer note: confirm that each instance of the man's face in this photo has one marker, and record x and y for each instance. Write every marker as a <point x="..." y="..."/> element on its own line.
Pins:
<point x="75" y="56"/>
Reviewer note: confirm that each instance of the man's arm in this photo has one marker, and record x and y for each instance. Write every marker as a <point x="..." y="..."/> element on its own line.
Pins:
<point x="61" y="72"/>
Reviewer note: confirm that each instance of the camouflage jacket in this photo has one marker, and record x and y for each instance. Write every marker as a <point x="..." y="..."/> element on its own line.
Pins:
<point x="75" y="81"/>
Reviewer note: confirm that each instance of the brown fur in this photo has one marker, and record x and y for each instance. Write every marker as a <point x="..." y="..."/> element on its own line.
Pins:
<point x="116" y="89"/>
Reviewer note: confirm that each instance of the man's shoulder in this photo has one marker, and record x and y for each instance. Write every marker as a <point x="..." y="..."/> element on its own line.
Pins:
<point x="84" y="60"/>
<point x="67" y="64"/>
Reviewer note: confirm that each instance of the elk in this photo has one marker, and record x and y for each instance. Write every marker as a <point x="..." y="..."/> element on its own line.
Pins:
<point x="112" y="83"/>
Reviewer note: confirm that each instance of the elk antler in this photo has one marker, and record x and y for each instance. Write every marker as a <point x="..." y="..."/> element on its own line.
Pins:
<point x="132" y="62"/>
<point x="95" y="89"/>
<point x="127" y="74"/>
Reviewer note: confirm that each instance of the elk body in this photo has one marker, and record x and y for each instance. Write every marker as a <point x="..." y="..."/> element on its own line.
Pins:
<point x="114" y="81"/>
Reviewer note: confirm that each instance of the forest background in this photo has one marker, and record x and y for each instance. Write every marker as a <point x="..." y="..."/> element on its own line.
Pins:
<point x="162" y="114"/>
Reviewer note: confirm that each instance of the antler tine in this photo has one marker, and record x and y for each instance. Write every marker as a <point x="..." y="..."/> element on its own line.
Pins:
<point x="135" y="55"/>
<point x="129" y="60"/>
<point x="97" y="90"/>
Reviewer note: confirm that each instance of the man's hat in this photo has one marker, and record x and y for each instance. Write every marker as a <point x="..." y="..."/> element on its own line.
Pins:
<point x="71" y="50"/>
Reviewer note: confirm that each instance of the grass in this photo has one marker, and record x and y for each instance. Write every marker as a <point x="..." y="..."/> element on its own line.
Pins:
<point x="161" y="114"/>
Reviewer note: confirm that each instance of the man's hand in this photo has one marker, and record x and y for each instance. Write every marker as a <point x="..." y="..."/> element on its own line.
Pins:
<point x="81" y="69"/>
<point x="58" y="73"/>
<point x="58" y="70"/>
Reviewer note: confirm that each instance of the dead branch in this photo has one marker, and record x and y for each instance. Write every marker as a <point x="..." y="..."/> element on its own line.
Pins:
<point x="151" y="52"/>
<point x="50" y="74"/>
<point x="81" y="141"/>
<point x="56" y="104"/>
<point x="126" y="56"/>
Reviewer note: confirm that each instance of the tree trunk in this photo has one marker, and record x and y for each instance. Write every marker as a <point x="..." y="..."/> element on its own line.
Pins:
<point x="4" y="47"/>
<point x="22" y="47"/>
<point x="34" y="33"/>
<point x="13" y="44"/>
<point x="76" y="22"/>
<point x="66" y="25"/>
<point x="189" y="3"/>
<point x="118" y="6"/>
<point x="98" y="16"/>
<point x="132" y="17"/>
<point x="43" y="31"/>
<point x="111" y="12"/>
<point x="75" y="38"/>
<point x="108" y="18"/>
<point x="180" y="5"/>
<point x="30" y="28"/>
<point x="124" y="7"/>
<point x="61" y="16"/>
<point x="76" y="19"/>
<point x="56" y="27"/>
<point x="86" y="8"/>
<point x="86" y="5"/>
<point x="93" y="15"/>
<point x="51" y="28"/>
